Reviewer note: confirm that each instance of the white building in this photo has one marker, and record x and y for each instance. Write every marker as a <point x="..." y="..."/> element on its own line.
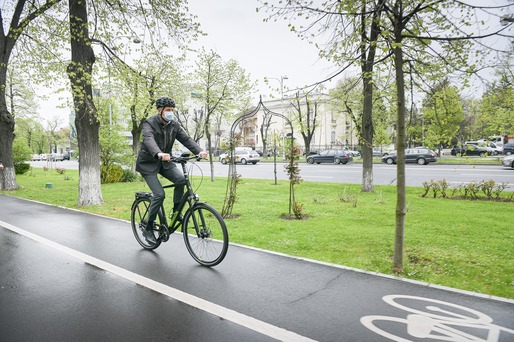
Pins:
<point x="333" y="128"/>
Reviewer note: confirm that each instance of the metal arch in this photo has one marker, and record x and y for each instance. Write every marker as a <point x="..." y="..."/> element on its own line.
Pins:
<point x="232" y="166"/>
<point x="267" y="111"/>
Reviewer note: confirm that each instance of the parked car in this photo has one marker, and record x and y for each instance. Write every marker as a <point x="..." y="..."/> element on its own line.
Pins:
<point x="421" y="156"/>
<point x="508" y="161"/>
<point x="508" y="149"/>
<point x="497" y="147"/>
<point x="66" y="156"/>
<point x="485" y="144"/>
<point x="36" y="157"/>
<point x="56" y="157"/>
<point x="354" y="153"/>
<point x="43" y="156"/>
<point x="241" y="156"/>
<point x="380" y="151"/>
<point x="330" y="156"/>
<point x="469" y="150"/>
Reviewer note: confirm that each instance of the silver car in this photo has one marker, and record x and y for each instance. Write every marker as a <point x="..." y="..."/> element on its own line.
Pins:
<point x="244" y="157"/>
<point x="508" y="161"/>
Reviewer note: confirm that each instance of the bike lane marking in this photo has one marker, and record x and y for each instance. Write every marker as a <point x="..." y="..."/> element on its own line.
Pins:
<point x="199" y="303"/>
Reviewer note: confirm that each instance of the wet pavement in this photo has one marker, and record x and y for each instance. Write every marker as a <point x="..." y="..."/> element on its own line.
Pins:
<point x="67" y="275"/>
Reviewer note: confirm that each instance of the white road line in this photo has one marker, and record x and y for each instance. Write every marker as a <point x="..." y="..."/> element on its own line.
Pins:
<point x="215" y="309"/>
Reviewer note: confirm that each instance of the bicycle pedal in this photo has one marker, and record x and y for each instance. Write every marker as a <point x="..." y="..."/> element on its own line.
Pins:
<point x="164" y="234"/>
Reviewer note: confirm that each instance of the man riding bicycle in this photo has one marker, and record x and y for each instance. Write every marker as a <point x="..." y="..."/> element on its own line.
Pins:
<point x="159" y="134"/>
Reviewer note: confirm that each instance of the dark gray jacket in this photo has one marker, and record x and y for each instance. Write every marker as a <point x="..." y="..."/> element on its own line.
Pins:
<point x="158" y="138"/>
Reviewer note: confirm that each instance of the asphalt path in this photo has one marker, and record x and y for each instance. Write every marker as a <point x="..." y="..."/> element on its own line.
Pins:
<point x="73" y="276"/>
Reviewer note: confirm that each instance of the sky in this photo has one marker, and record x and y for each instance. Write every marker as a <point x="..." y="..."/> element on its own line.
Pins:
<point x="264" y="49"/>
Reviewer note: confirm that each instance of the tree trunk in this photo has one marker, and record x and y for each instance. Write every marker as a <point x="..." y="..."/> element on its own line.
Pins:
<point x="367" y="134"/>
<point x="368" y="46"/>
<point x="401" y="208"/>
<point x="7" y="176"/>
<point x="86" y="118"/>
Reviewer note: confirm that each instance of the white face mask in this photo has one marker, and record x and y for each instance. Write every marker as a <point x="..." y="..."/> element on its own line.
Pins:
<point x="168" y="116"/>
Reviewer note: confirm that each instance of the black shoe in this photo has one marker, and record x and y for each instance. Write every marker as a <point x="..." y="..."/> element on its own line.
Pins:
<point x="148" y="233"/>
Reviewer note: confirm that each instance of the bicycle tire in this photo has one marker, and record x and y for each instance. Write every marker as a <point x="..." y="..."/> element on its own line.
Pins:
<point x="205" y="234"/>
<point x="139" y="213"/>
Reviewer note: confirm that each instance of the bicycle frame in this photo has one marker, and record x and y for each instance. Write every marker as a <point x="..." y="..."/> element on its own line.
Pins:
<point x="189" y="197"/>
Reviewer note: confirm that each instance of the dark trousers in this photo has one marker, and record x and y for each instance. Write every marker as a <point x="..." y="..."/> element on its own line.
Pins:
<point x="173" y="174"/>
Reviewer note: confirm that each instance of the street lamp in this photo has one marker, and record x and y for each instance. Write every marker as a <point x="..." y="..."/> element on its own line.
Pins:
<point x="281" y="80"/>
<point x="506" y="19"/>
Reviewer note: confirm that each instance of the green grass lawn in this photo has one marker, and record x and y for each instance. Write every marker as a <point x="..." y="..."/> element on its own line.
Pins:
<point x="459" y="243"/>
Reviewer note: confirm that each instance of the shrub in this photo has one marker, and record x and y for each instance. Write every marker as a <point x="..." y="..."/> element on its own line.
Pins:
<point x="111" y="173"/>
<point x="490" y="189"/>
<point x="128" y="176"/>
<point x="21" y="168"/>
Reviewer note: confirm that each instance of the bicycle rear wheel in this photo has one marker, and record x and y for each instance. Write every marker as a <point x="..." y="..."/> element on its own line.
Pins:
<point x="205" y="234"/>
<point x="139" y="217"/>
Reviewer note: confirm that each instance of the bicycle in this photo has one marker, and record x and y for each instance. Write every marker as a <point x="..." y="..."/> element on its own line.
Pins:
<point x="203" y="228"/>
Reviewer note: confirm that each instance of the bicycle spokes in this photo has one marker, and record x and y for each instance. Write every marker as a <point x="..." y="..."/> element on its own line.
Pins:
<point x="205" y="235"/>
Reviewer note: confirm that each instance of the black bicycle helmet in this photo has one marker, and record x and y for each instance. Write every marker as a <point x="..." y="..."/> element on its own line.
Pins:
<point x="164" y="102"/>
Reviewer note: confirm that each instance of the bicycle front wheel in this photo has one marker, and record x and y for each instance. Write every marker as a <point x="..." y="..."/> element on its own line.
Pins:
<point x="139" y="218"/>
<point x="205" y="234"/>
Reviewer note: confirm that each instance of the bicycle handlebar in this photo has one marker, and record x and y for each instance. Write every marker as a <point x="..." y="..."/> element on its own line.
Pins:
<point x="184" y="159"/>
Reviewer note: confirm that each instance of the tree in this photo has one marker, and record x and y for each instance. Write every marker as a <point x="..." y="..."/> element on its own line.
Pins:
<point x="21" y="99"/>
<point x="151" y="76"/>
<point x="86" y="118"/>
<point x="306" y="114"/>
<point x="162" y="20"/>
<point x="20" y="20"/>
<point x="443" y="114"/>
<point x="497" y="103"/>
<point x="224" y="87"/>
<point x="353" y="30"/>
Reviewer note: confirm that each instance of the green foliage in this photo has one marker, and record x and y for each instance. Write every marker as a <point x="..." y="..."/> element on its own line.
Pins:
<point x="21" y="168"/>
<point x="293" y="153"/>
<point x="471" y="190"/>
<point x="222" y="88"/>
<point x="128" y="176"/>
<point x="111" y="174"/>
<point x="21" y="153"/>
<point x="114" y="147"/>
<point x="443" y="115"/>
<point x="496" y="114"/>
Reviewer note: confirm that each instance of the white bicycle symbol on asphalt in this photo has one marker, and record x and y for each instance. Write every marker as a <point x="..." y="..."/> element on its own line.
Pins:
<point x="437" y="320"/>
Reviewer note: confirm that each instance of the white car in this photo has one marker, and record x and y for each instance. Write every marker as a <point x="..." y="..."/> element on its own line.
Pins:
<point x="497" y="147"/>
<point x="242" y="156"/>
<point x="43" y="156"/>
<point x="36" y="157"/>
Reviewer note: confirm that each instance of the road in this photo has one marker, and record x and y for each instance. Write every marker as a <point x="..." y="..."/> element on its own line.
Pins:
<point x="352" y="173"/>
<point x="67" y="275"/>
<point x="382" y="174"/>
